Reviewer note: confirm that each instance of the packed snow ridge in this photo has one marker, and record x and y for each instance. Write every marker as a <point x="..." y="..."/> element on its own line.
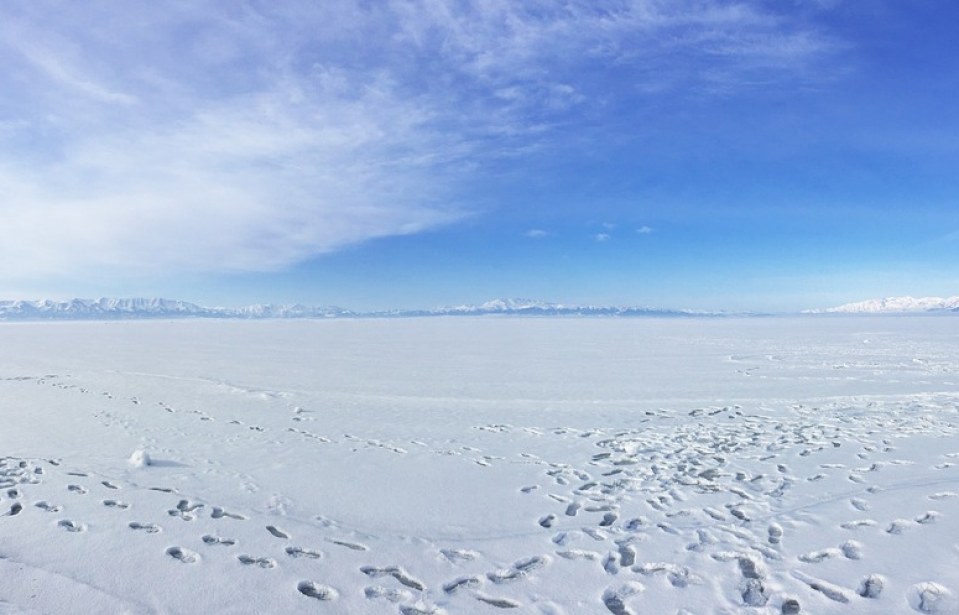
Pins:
<point x="101" y="309"/>
<point x="895" y="305"/>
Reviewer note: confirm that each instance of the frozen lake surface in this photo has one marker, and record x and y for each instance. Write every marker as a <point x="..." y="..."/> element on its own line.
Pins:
<point x="471" y="465"/>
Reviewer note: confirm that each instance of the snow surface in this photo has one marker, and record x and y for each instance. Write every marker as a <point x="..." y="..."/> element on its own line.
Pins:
<point x="772" y="465"/>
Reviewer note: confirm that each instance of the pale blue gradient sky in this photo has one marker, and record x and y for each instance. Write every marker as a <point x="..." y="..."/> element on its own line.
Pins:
<point x="712" y="155"/>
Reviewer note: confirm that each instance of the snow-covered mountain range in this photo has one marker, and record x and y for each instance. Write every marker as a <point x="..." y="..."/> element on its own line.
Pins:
<point x="895" y="305"/>
<point x="105" y="308"/>
<point x="140" y="308"/>
<point x="114" y="309"/>
<point x="530" y="307"/>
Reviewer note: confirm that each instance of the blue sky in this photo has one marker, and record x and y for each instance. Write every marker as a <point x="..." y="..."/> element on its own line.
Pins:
<point x="701" y="154"/>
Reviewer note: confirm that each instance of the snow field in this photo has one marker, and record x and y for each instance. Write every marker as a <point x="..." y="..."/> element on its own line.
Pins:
<point x="547" y="466"/>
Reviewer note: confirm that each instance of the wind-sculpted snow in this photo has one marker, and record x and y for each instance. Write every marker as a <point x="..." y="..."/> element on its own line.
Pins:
<point x="471" y="466"/>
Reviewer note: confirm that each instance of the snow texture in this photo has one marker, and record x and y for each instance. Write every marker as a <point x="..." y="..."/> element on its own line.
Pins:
<point x="472" y="465"/>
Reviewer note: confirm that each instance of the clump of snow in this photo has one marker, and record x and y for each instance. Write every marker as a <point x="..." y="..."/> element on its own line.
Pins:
<point x="931" y="597"/>
<point x="871" y="586"/>
<point x="140" y="459"/>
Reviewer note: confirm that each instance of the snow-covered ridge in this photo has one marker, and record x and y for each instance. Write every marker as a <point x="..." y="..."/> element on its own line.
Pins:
<point x="106" y="308"/>
<point x="895" y="305"/>
<point x="143" y="308"/>
<point x="529" y="306"/>
<point x="136" y="308"/>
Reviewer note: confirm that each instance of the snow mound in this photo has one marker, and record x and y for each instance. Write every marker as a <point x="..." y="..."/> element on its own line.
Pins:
<point x="140" y="459"/>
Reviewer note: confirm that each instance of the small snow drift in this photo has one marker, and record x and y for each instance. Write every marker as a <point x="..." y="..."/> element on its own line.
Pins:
<point x="140" y="459"/>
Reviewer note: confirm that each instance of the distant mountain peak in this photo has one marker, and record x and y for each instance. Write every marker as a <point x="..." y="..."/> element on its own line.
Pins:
<point x="895" y="305"/>
<point x="543" y="308"/>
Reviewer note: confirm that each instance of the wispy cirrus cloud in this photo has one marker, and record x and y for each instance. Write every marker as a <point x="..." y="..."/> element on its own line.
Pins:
<point x="209" y="137"/>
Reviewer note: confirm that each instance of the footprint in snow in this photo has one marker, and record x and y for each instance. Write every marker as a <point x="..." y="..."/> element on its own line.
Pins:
<point x="575" y="554"/>
<point x="298" y="552"/>
<point x="185" y="509"/>
<point x="775" y="533"/>
<point x="608" y="519"/>
<point x="277" y="533"/>
<point x="627" y="555"/>
<point x="115" y="504"/>
<point x="753" y="592"/>
<point x="217" y="540"/>
<point x="462" y="583"/>
<point x="852" y="549"/>
<point x="500" y="603"/>
<point x="48" y="507"/>
<point x="714" y="514"/>
<point x="833" y="592"/>
<point x="420" y="608"/>
<point x="815" y="557"/>
<point x="393" y="595"/>
<point x="317" y="591"/>
<point x="353" y="546"/>
<point x="71" y="526"/>
<point x="76" y="489"/>
<point x="219" y="513"/>
<point x="519" y="570"/>
<point x="942" y="495"/>
<point x="182" y="555"/>
<point x="262" y="562"/>
<point x="898" y="526"/>
<point x="678" y="576"/>
<point x="459" y="554"/>
<point x="149" y="528"/>
<point x="396" y="572"/>
<point x="871" y="586"/>
<point x="615" y="599"/>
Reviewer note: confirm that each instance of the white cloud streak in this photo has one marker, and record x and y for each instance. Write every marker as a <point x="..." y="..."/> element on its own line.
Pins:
<point x="181" y="136"/>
